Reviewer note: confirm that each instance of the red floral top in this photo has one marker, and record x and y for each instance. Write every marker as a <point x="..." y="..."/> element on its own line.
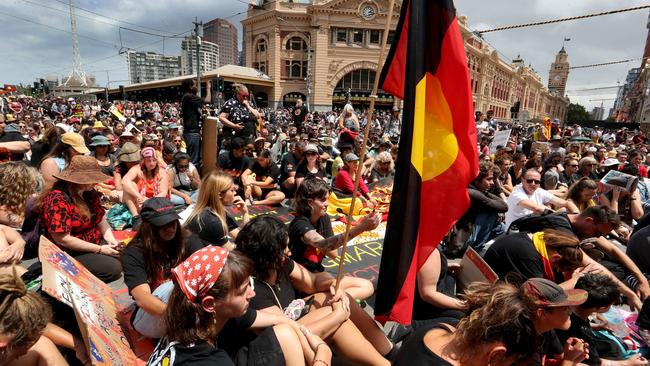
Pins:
<point x="60" y="215"/>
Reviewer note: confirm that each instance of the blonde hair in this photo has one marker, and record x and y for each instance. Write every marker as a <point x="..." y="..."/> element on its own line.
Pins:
<point x="212" y="186"/>
<point x="347" y="109"/>
<point x="23" y="314"/>
<point x="383" y="157"/>
<point x="17" y="183"/>
<point x="240" y="88"/>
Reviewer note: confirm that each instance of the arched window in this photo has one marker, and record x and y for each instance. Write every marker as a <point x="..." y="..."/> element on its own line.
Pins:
<point x="261" y="45"/>
<point x="296" y="44"/>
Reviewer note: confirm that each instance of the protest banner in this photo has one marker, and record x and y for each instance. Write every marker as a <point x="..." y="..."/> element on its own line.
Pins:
<point x="92" y="300"/>
<point x="117" y="113"/>
<point x="473" y="269"/>
<point x="500" y="139"/>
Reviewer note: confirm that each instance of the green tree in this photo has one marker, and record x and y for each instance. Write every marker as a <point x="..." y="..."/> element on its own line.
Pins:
<point x="576" y="113"/>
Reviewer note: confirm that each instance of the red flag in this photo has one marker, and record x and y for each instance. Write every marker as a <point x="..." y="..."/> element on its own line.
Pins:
<point x="427" y="68"/>
<point x="9" y="88"/>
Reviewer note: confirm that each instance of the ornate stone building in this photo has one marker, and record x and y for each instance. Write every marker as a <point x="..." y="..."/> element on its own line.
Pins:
<point x="321" y="50"/>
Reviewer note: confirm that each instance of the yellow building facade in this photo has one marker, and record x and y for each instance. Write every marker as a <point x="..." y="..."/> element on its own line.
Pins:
<point x="322" y="50"/>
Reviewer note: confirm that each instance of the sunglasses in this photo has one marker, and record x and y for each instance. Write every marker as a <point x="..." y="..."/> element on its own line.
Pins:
<point x="573" y="165"/>
<point x="533" y="181"/>
<point x="184" y="166"/>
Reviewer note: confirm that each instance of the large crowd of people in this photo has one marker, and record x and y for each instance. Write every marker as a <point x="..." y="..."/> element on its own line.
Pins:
<point x="558" y="212"/>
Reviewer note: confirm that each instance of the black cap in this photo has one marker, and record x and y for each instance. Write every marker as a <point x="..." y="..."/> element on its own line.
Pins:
<point x="158" y="211"/>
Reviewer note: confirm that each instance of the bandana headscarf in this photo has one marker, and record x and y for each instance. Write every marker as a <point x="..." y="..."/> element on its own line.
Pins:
<point x="199" y="272"/>
<point x="148" y="152"/>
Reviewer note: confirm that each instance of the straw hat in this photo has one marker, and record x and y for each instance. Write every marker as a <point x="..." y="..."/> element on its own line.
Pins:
<point x="99" y="125"/>
<point x="82" y="170"/>
<point x="76" y="141"/>
<point x="129" y="153"/>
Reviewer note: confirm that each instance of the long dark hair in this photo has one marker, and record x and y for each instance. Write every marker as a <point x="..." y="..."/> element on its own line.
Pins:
<point x="186" y="321"/>
<point x="311" y="188"/>
<point x="155" y="252"/>
<point x="263" y="239"/>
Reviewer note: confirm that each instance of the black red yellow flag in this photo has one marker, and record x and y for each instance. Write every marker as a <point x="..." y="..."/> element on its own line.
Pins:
<point x="427" y="68"/>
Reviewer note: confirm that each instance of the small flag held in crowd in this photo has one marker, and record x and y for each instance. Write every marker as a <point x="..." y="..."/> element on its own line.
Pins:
<point x="427" y="68"/>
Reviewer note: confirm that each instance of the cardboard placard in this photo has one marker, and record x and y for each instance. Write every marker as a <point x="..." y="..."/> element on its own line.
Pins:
<point x="500" y="139"/>
<point x="473" y="269"/>
<point x="544" y="147"/>
<point x="92" y="300"/>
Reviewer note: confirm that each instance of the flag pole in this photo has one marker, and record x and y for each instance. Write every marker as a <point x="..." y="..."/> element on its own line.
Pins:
<point x="366" y="132"/>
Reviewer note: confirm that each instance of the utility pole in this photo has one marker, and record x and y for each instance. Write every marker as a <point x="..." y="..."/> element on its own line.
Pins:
<point x="198" y="26"/>
<point x="309" y="71"/>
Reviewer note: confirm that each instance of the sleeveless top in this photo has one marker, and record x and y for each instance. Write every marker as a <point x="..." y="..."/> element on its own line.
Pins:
<point x="60" y="162"/>
<point x="149" y="187"/>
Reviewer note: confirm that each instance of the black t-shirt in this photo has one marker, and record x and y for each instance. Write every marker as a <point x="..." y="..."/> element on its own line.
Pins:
<point x="638" y="249"/>
<point x="14" y="137"/>
<point x="267" y="295"/>
<point x="39" y="150"/>
<point x="233" y="165"/>
<point x="299" y="115"/>
<point x="414" y="352"/>
<point x="302" y="172"/>
<point x="549" y="347"/>
<point x="514" y="253"/>
<point x="580" y="328"/>
<point x="262" y="173"/>
<point x="209" y="229"/>
<point x="236" y="333"/>
<point x="299" y="226"/>
<point x="191" y="110"/>
<point x="196" y="354"/>
<point x="133" y="264"/>
<point x="289" y="165"/>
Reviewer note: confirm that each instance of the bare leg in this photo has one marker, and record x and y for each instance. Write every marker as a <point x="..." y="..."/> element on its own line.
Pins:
<point x="272" y="199"/>
<point x="288" y="338"/>
<point x="361" y="288"/>
<point x="131" y="202"/>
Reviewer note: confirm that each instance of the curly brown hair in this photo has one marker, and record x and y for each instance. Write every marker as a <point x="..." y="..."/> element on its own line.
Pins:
<point x="23" y="315"/>
<point x="18" y="182"/>
<point x="497" y="313"/>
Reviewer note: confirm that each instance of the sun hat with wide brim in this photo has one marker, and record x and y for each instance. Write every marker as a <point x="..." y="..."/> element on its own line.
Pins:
<point x="100" y="140"/>
<point x="130" y="153"/>
<point x="76" y="141"/>
<point x="82" y="170"/>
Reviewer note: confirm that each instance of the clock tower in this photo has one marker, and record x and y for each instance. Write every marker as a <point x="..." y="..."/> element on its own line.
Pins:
<point x="559" y="72"/>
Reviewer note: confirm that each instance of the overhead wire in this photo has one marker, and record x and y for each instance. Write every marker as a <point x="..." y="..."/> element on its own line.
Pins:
<point x="605" y="63"/>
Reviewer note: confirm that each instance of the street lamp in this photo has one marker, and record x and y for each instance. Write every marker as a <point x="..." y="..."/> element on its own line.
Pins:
<point x="308" y="78"/>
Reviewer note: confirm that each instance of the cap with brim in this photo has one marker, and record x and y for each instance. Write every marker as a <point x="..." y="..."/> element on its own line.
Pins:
<point x="556" y="138"/>
<point x="549" y="294"/>
<point x="311" y="148"/>
<point x="326" y="142"/>
<point x="64" y="127"/>
<point x="610" y="162"/>
<point x="350" y="157"/>
<point x="171" y="126"/>
<point x="98" y="124"/>
<point x="126" y="134"/>
<point x="158" y="211"/>
<point x="129" y="153"/>
<point x="82" y="170"/>
<point x="76" y="141"/>
<point x="100" y="140"/>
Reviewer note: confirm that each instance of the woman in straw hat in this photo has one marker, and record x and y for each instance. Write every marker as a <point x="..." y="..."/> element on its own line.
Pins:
<point x="146" y="180"/>
<point x="71" y="215"/>
<point x="71" y="144"/>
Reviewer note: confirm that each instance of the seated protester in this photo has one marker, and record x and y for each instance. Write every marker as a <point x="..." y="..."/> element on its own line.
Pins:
<point x="210" y="288"/>
<point x="595" y="222"/>
<point x="587" y="168"/>
<point x="527" y="198"/>
<point x="18" y="183"/>
<point x="628" y="205"/>
<point x="345" y="180"/>
<point x="12" y="249"/>
<point x="71" y="144"/>
<point x="209" y="218"/>
<point x="480" y="221"/>
<point x="517" y="169"/>
<point x="505" y="180"/>
<point x="580" y="195"/>
<point x="168" y="152"/>
<point x="602" y="294"/>
<point x="436" y="292"/>
<point x="543" y="254"/>
<point x="260" y="181"/>
<point x="147" y="263"/>
<point x="277" y="279"/>
<point x="145" y="180"/>
<point x="13" y="140"/>
<point x="288" y="167"/>
<point x="71" y="216"/>
<point x="570" y="168"/>
<point x="383" y="167"/>
<point x="310" y="233"/>
<point x="500" y="331"/>
<point x="551" y="172"/>
<point x="234" y="162"/>
<point x="127" y="158"/>
<point x="100" y="151"/>
<point x="22" y="324"/>
<point x="310" y="165"/>
<point x="345" y="148"/>
<point x="185" y="180"/>
<point x="43" y="146"/>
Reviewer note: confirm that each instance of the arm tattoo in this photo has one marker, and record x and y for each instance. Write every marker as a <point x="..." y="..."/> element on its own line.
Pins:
<point x="314" y="239"/>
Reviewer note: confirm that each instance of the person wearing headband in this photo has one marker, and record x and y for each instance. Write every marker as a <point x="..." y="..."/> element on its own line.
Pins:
<point x="145" y="180"/>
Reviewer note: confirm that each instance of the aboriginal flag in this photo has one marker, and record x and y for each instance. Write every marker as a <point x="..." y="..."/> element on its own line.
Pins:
<point x="427" y="68"/>
<point x="9" y="88"/>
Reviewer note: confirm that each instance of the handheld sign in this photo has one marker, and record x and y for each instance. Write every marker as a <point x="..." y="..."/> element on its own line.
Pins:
<point x="473" y="269"/>
<point x="500" y="139"/>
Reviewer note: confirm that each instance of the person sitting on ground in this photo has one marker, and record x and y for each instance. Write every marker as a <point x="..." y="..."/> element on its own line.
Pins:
<point x="310" y="232"/>
<point x="505" y="180"/>
<point x="626" y="203"/>
<point x="602" y="294"/>
<point x="500" y="331"/>
<point x="527" y="198"/>
<point x="71" y="216"/>
<point x="260" y="181"/>
<point x="162" y="245"/>
<point x="288" y="166"/>
<point x="210" y="288"/>
<point x="570" y="168"/>
<point x="345" y="149"/>
<point x="345" y="180"/>
<point x="145" y="180"/>
<point x="185" y="180"/>
<point x="18" y="183"/>
<point x="127" y="158"/>
<point x="309" y="166"/>
<point x="580" y="195"/>
<point x="517" y="169"/>
<point x="22" y="324"/>
<point x="277" y="280"/>
<point x="209" y="218"/>
<point x="587" y="168"/>
<point x="106" y="161"/>
<point x="383" y="167"/>
<point x="71" y="144"/>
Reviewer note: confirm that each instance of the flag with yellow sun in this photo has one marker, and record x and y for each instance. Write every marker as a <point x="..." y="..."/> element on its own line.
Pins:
<point x="437" y="159"/>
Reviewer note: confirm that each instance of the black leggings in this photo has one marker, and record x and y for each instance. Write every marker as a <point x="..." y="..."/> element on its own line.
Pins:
<point x="104" y="267"/>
